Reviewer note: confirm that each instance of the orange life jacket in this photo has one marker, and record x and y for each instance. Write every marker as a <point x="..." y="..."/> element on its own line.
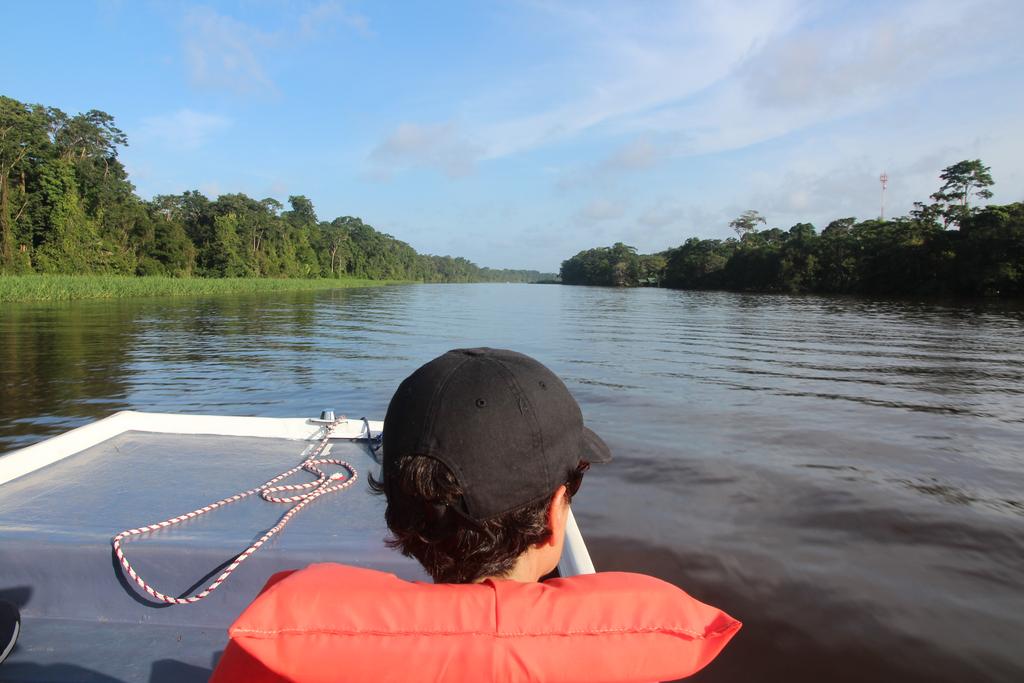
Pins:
<point x="332" y="622"/>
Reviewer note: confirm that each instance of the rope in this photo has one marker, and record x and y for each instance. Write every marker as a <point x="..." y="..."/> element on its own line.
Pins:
<point x="324" y="484"/>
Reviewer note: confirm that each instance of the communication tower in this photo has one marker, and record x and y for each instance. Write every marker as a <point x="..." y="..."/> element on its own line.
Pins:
<point x="884" y="179"/>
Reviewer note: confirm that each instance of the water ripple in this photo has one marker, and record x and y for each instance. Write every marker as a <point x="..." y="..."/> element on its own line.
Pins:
<point x="843" y="474"/>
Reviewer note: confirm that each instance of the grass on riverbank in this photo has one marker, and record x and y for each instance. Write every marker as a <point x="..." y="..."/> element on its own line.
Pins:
<point x="67" y="287"/>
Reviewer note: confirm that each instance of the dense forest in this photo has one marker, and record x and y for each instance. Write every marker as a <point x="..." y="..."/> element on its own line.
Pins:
<point x="67" y="206"/>
<point x="946" y="246"/>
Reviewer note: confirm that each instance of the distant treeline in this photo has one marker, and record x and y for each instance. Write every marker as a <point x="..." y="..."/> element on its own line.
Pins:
<point x="67" y="206"/>
<point x="944" y="247"/>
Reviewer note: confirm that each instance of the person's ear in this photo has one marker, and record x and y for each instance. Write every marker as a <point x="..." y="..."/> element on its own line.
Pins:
<point x="558" y="514"/>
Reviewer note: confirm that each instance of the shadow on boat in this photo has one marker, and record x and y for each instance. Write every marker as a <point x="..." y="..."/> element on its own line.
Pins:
<point x="161" y="671"/>
<point x="171" y="670"/>
<point x="17" y="596"/>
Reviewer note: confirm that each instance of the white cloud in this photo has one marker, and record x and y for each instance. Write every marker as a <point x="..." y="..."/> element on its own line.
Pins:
<point x="183" y="129"/>
<point x="211" y="189"/>
<point x="667" y="222"/>
<point x="638" y="154"/>
<point x="811" y="76"/>
<point x="634" y="63"/>
<point x="223" y="52"/>
<point x="638" y="62"/>
<point x="906" y="47"/>
<point x="824" y="183"/>
<point x="829" y="173"/>
<point x="698" y="78"/>
<point x="442" y="146"/>
<point x="661" y="215"/>
<point x="314" y="20"/>
<point x="278" y="188"/>
<point x="600" y="210"/>
<point x="834" y="174"/>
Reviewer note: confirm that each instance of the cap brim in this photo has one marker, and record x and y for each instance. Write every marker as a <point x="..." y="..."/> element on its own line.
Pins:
<point x="595" y="450"/>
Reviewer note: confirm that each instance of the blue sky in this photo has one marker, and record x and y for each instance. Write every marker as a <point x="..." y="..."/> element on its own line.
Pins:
<point x="517" y="133"/>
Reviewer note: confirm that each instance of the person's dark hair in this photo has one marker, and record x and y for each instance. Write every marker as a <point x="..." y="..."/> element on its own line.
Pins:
<point x="425" y="523"/>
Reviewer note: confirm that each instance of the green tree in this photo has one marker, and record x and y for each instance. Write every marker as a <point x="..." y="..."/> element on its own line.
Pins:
<point x="840" y="226"/>
<point x="302" y="222"/>
<point x="23" y="144"/>
<point x="171" y="253"/>
<point x="932" y="214"/>
<point x="225" y="258"/>
<point x="989" y="252"/>
<point x="72" y="243"/>
<point x="800" y="258"/>
<point x="92" y="134"/>
<point x="66" y="205"/>
<point x="625" y="265"/>
<point x="747" y="222"/>
<point x="963" y="180"/>
<point x="837" y="255"/>
<point x="336" y="244"/>
<point x="698" y="264"/>
<point x="615" y="266"/>
<point x="652" y="269"/>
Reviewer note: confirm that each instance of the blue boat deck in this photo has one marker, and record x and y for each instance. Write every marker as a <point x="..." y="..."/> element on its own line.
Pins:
<point x="83" y="622"/>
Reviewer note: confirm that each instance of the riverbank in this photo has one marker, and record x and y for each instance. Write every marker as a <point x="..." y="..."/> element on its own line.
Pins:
<point x="18" y="288"/>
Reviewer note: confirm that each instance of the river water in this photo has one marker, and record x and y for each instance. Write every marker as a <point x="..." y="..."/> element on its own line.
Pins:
<point x="844" y="475"/>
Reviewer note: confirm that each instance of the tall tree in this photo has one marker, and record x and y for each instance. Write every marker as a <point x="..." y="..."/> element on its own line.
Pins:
<point x="963" y="180"/>
<point x="71" y="243"/>
<point x="335" y="241"/>
<point x="23" y="141"/>
<point x="747" y="222"/>
<point x="89" y="135"/>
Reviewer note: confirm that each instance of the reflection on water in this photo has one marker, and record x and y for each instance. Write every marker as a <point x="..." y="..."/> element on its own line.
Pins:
<point x="844" y="475"/>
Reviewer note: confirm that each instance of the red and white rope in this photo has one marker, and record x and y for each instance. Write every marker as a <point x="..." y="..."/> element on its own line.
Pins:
<point x="324" y="484"/>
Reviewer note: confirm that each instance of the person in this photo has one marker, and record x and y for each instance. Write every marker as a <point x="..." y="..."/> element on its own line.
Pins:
<point x="483" y="452"/>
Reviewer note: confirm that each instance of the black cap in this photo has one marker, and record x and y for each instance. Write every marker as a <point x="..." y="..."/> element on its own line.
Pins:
<point x="505" y="425"/>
